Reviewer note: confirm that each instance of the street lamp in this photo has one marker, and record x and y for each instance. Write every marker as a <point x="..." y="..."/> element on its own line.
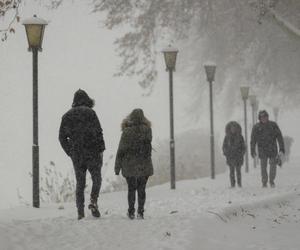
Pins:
<point x="245" y="95"/>
<point x="254" y="105"/>
<point x="210" y="70"/>
<point x="35" y="31"/>
<point x="276" y="113"/>
<point x="170" y="55"/>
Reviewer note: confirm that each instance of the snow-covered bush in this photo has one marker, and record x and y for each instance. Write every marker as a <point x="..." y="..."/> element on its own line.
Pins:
<point x="56" y="186"/>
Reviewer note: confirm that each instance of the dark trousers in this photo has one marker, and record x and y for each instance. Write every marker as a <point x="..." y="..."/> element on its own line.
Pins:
<point x="81" y="164"/>
<point x="136" y="184"/>
<point x="235" y="169"/>
<point x="264" y="172"/>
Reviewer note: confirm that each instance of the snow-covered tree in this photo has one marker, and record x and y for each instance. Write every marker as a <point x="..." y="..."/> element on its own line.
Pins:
<point x="254" y="42"/>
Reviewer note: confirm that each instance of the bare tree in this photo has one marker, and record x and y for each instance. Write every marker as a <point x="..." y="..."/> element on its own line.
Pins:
<point x="5" y="7"/>
<point x="250" y="39"/>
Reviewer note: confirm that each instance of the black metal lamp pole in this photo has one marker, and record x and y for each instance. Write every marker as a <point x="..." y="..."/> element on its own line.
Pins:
<point x="35" y="30"/>
<point x="276" y="113"/>
<point x="172" y="140"/>
<point x="246" y="136"/>
<point x="212" y="138"/>
<point x="254" y="104"/>
<point x="35" y="146"/>
<point x="210" y="70"/>
<point x="170" y="55"/>
<point x="245" y="95"/>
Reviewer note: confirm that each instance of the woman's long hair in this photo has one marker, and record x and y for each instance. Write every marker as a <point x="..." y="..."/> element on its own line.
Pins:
<point x="135" y="118"/>
<point x="234" y="124"/>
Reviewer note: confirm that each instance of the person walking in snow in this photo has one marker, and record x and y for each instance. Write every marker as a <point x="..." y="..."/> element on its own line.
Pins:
<point x="234" y="150"/>
<point x="266" y="134"/>
<point x="81" y="138"/>
<point x="134" y="159"/>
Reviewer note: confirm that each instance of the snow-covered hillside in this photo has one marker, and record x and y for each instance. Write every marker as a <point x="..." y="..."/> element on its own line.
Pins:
<point x="199" y="214"/>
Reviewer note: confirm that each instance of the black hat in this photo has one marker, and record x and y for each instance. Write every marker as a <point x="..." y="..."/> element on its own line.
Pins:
<point x="82" y="98"/>
<point x="262" y="113"/>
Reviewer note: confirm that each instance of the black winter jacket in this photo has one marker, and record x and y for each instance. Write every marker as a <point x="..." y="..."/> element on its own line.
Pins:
<point x="266" y="136"/>
<point x="80" y="132"/>
<point x="134" y="152"/>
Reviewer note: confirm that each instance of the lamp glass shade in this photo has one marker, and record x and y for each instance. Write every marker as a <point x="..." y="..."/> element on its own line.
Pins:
<point x="210" y="70"/>
<point x="35" y="35"/>
<point x="35" y="31"/>
<point x="245" y="92"/>
<point x="253" y="101"/>
<point x="170" y="55"/>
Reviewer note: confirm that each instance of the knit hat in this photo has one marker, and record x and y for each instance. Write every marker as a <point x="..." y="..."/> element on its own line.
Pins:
<point x="262" y="113"/>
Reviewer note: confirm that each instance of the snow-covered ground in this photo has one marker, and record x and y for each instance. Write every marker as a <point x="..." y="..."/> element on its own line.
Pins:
<point x="199" y="214"/>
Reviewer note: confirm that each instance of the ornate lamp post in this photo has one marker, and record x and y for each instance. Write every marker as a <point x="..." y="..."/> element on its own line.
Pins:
<point x="170" y="55"/>
<point x="35" y="31"/>
<point x="254" y="105"/>
<point x="245" y="95"/>
<point x="276" y="113"/>
<point x="210" y="70"/>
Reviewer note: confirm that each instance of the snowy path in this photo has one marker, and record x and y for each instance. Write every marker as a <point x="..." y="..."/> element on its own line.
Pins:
<point x="273" y="226"/>
<point x="181" y="219"/>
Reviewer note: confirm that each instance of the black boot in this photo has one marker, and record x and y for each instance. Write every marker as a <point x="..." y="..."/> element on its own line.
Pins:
<point x="80" y="213"/>
<point x="140" y="215"/>
<point x="130" y="215"/>
<point x="94" y="209"/>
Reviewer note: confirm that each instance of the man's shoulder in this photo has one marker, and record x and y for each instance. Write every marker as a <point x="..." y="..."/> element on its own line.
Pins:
<point x="78" y="110"/>
<point x="273" y="125"/>
<point x="257" y="126"/>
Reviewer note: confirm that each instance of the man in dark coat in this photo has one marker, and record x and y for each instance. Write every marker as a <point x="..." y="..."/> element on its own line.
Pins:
<point x="81" y="137"/>
<point x="134" y="158"/>
<point x="234" y="150"/>
<point x="266" y="134"/>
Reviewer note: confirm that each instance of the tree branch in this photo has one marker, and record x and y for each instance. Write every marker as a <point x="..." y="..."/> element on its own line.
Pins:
<point x="4" y="8"/>
<point x="284" y="23"/>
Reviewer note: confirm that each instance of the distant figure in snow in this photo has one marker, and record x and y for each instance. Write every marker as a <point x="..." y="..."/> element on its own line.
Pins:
<point x="134" y="159"/>
<point x="81" y="137"/>
<point x="266" y="134"/>
<point x="288" y="141"/>
<point x="234" y="150"/>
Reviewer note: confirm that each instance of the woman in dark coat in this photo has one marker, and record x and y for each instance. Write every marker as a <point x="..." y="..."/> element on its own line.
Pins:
<point x="234" y="150"/>
<point x="134" y="158"/>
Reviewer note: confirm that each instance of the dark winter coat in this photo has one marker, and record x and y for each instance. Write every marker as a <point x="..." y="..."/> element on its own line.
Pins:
<point x="266" y="136"/>
<point x="80" y="131"/>
<point x="234" y="145"/>
<point x="134" y="152"/>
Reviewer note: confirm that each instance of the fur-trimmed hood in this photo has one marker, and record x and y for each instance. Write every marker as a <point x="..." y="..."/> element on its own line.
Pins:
<point x="135" y="118"/>
<point x="233" y="124"/>
<point x="81" y="98"/>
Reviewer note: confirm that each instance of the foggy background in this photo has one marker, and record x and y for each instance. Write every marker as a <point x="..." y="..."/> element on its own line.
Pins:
<point x="78" y="52"/>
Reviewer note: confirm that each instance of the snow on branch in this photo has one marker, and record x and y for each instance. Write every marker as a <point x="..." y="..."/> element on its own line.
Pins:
<point x="5" y="7"/>
<point x="284" y="23"/>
